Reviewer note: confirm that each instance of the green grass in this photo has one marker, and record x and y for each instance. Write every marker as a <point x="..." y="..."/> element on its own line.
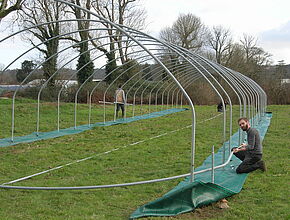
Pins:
<point x="25" y="114"/>
<point x="264" y="196"/>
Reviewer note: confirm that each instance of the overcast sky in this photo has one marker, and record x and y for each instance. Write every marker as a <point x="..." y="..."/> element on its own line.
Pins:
<point x="268" y="20"/>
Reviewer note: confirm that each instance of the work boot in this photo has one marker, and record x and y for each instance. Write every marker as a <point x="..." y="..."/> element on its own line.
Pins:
<point x="262" y="165"/>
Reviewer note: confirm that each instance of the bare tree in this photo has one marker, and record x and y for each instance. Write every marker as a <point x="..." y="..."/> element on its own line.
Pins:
<point x="169" y="35"/>
<point x="187" y="31"/>
<point x="37" y="12"/>
<point x="2" y="66"/>
<point x="249" y="43"/>
<point x="220" y="40"/>
<point x="255" y="57"/>
<point x="123" y="12"/>
<point x="85" y="65"/>
<point x="235" y="58"/>
<point x="6" y="7"/>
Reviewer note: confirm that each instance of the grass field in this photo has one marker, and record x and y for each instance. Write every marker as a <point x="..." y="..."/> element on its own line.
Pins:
<point x="264" y="196"/>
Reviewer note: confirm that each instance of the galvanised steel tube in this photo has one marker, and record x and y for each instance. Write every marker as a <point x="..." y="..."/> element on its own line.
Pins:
<point x="237" y="91"/>
<point x="108" y="86"/>
<point x="246" y="83"/>
<point x="175" y="68"/>
<point x="259" y="96"/>
<point x="161" y="80"/>
<point x="144" y="76"/>
<point x="215" y="68"/>
<point x="59" y="93"/>
<point x="256" y="100"/>
<point x="240" y="82"/>
<point x="181" y="53"/>
<point x="263" y="99"/>
<point x="252" y="90"/>
<point x="54" y="74"/>
<point x="143" y="56"/>
<point x="142" y="96"/>
<point x="215" y="89"/>
<point x="14" y="94"/>
<point x="155" y="86"/>
<point x="158" y="68"/>
<point x="150" y="94"/>
<point x="191" y="105"/>
<point x="156" y="74"/>
<point x="187" y="84"/>
<point x="186" y="80"/>
<point x="187" y="76"/>
<point x="212" y="164"/>
<point x="252" y="94"/>
<point x="117" y="185"/>
<point x="171" y="86"/>
<point x="256" y="107"/>
<point x="34" y="47"/>
<point x="115" y="81"/>
<point x="192" y="110"/>
<point x="246" y="97"/>
<point x="168" y="72"/>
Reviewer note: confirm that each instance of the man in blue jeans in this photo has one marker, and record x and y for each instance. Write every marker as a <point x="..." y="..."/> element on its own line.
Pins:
<point x="250" y="153"/>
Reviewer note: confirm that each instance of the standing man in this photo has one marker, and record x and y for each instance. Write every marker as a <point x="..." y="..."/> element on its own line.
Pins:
<point x="120" y="100"/>
<point x="251" y="153"/>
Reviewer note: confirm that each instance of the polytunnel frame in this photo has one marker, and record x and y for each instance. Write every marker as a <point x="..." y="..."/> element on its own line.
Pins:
<point x="156" y="74"/>
<point x="180" y="51"/>
<point x="149" y="52"/>
<point x="228" y="97"/>
<point x="104" y="95"/>
<point x="166" y="70"/>
<point x="221" y="71"/>
<point x="21" y="84"/>
<point x="256" y="89"/>
<point x="211" y="84"/>
<point x="34" y="47"/>
<point x="254" y="104"/>
<point x="136" y="74"/>
<point x="104" y="101"/>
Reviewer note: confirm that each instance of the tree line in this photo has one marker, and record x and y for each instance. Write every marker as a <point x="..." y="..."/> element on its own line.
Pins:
<point x="215" y="43"/>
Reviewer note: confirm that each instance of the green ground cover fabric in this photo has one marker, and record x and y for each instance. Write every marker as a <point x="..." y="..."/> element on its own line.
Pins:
<point x="69" y="131"/>
<point x="187" y="196"/>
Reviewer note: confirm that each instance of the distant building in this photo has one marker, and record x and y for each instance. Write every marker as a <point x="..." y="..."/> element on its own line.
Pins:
<point x="285" y="81"/>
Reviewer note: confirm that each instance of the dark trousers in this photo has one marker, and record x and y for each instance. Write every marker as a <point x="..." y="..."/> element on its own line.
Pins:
<point x="250" y="161"/>
<point x="122" y="106"/>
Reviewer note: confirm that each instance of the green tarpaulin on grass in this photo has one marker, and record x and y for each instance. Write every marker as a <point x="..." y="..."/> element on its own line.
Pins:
<point x="187" y="196"/>
<point x="69" y="131"/>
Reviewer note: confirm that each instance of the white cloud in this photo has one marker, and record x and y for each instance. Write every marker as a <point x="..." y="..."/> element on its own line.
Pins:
<point x="277" y="42"/>
<point x="266" y="19"/>
<point x="281" y="34"/>
<point x="241" y="16"/>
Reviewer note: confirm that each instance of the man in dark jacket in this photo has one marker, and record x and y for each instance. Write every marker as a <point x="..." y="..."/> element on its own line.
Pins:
<point x="251" y="153"/>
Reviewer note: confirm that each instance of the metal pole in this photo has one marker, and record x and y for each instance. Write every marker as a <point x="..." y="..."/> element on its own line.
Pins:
<point x="212" y="164"/>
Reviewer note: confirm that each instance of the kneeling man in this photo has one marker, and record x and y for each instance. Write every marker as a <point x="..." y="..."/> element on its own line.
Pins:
<point x="251" y="153"/>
